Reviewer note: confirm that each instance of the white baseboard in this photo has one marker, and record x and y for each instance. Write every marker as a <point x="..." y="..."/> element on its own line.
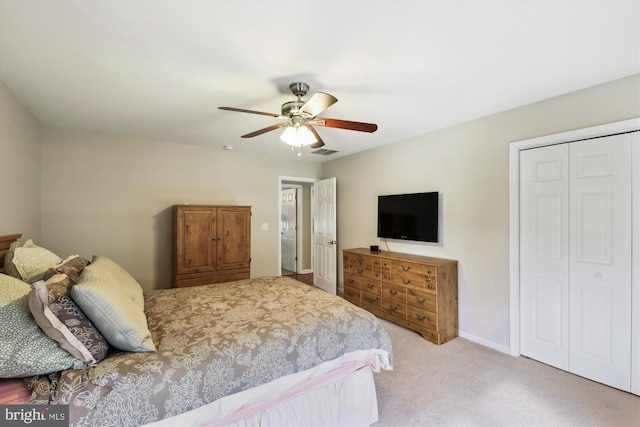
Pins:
<point x="484" y="342"/>
<point x="306" y="271"/>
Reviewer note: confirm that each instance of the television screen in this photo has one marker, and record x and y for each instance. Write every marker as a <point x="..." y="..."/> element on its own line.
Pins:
<point x="409" y="217"/>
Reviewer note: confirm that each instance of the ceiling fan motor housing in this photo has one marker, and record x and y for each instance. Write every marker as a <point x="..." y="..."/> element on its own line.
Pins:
<point x="291" y="107"/>
<point x="299" y="89"/>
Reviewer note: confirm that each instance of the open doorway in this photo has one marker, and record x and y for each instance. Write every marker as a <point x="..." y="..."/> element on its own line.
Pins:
<point x="295" y="226"/>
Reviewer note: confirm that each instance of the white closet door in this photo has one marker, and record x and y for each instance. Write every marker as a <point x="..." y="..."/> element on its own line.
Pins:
<point x="544" y="281"/>
<point x="600" y="260"/>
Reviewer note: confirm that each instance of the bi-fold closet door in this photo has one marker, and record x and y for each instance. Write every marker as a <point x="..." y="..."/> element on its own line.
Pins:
<point x="576" y="257"/>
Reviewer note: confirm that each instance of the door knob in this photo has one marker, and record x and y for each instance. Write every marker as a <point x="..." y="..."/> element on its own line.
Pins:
<point x="333" y="242"/>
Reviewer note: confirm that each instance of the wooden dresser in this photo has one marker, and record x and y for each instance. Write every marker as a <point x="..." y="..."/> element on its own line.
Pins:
<point x="211" y="244"/>
<point x="415" y="291"/>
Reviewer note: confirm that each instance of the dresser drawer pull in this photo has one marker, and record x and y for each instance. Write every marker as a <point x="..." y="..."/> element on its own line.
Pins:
<point x="392" y="308"/>
<point x="360" y="260"/>
<point x="370" y="300"/>
<point x="406" y="268"/>
<point x="351" y="293"/>
<point x="387" y="277"/>
<point x="370" y="286"/>
<point x="393" y="292"/>
<point x="421" y="317"/>
<point x="406" y="282"/>
<point x="421" y="300"/>
<point x="429" y="286"/>
<point x="352" y="280"/>
<point x="360" y="271"/>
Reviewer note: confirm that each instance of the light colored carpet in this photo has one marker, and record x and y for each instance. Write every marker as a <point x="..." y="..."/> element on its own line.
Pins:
<point x="461" y="383"/>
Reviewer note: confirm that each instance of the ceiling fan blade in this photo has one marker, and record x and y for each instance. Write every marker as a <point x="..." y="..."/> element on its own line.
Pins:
<point x="319" y="102"/>
<point x="265" y="130"/>
<point x="319" y="142"/>
<point x="240" y="110"/>
<point x="345" y="124"/>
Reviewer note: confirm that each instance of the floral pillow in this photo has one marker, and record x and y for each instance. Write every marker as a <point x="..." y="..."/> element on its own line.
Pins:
<point x="30" y="262"/>
<point x="61" y="319"/>
<point x="72" y="267"/>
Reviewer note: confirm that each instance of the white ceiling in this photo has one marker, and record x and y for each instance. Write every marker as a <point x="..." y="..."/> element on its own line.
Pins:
<point x="160" y="69"/>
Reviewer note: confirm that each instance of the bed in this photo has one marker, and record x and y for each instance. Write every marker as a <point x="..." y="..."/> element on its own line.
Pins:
<point x="265" y="351"/>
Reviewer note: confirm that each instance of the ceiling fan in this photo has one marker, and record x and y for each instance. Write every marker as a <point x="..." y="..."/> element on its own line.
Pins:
<point x="300" y="117"/>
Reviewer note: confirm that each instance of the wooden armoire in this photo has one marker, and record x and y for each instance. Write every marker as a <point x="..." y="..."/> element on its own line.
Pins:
<point x="211" y="244"/>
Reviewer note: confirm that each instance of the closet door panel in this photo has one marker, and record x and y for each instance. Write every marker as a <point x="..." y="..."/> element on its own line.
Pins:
<point x="600" y="260"/>
<point x="544" y="255"/>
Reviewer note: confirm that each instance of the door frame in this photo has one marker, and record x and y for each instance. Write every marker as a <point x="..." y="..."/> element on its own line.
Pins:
<point x="514" y="222"/>
<point x="293" y="180"/>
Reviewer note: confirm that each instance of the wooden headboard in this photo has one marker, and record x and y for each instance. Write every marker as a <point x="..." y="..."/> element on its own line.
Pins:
<point x="5" y="242"/>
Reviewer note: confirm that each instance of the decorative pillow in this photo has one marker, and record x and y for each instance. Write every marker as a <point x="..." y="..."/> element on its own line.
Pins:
<point x="61" y="319"/>
<point x="24" y="349"/>
<point x="29" y="262"/>
<point x="72" y="267"/>
<point x="113" y="300"/>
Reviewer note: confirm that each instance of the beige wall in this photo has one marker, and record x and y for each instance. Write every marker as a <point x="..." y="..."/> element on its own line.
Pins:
<point x="468" y="165"/>
<point x="91" y="193"/>
<point x="111" y="195"/>
<point x="19" y="168"/>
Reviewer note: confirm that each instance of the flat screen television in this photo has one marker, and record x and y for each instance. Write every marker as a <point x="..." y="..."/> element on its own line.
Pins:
<point x="409" y="216"/>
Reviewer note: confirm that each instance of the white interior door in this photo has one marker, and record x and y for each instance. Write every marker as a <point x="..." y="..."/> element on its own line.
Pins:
<point x="600" y="260"/>
<point x="544" y="281"/>
<point x="288" y="231"/>
<point x="325" y="241"/>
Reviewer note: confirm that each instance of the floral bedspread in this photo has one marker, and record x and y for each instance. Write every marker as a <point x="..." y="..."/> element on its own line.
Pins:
<point x="213" y="341"/>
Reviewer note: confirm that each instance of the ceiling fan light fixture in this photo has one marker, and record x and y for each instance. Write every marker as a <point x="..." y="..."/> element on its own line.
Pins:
<point x="298" y="136"/>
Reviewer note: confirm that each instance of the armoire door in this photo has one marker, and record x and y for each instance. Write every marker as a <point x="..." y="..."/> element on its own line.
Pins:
<point x="233" y="237"/>
<point x="575" y="249"/>
<point x="195" y="233"/>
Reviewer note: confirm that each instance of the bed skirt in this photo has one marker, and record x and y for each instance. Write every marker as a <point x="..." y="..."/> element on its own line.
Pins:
<point x="336" y="393"/>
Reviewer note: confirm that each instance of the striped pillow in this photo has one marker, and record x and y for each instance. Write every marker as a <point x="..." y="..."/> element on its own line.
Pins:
<point x="114" y="302"/>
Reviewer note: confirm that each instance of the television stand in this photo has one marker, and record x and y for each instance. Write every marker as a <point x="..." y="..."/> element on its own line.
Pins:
<point x="418" y="292"/>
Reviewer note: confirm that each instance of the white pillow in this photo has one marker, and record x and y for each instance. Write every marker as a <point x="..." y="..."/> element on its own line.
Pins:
<point x="114" y="302"/>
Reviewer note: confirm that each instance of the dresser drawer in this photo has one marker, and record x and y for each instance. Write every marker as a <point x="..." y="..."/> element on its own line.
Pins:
<point x="363" y="261"/>
<point x="431" y="281"/>
<point x="423" y="318"/>
<point x="364" y="266"/>
<point x="408" y="279"/>
<point x="398" y="266"/>
<point x="394" y="308"/>
<point x="394" y="292"/>
<point x="371" y="300"/>
<point x="422" y="300"/>
<point x="352" y="280"/>
<point x="372" y="286"/>
<point x="352" y="294"/>
<point x="346" y="264"/>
